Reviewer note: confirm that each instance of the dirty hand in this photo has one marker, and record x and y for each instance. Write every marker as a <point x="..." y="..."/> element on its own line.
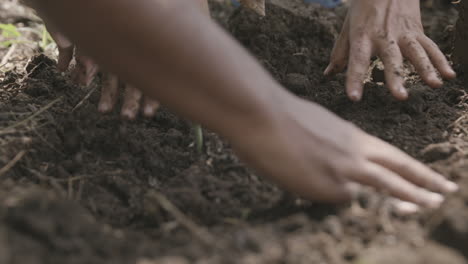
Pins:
<point x="85" y="72"/>
<point x="390" y="29"/>
<point x="315" y="154"/>
<point x="298" y="144"/>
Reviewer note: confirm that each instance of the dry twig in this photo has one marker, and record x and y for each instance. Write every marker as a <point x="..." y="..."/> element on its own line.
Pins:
<point x="202" y="234"/>
<point x="12" y="162"/>
<point x="24" y="121"/>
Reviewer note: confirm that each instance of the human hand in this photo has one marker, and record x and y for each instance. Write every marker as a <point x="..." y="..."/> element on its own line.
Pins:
<point x="314" y="154"/>
<point x="85" y="71"/>
<point x="391" y="30"/>
<point x="300" y="145"/>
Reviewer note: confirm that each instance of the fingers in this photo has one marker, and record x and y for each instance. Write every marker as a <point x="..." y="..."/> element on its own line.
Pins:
<point x="403" y="208"/>
<point x="416" y="54"/>
<point x="64" y="45"/>
<point x="65" y="48"/>
<point x="358" y="65"/>
<point x="131" y="105"/>
<point x="109" y="92"/>
<point x="386" y="180"/>
<point x="437" y="57"/>
<point x="65" y="57"/>
<point x="323" y="189"/>
<point x="85" y="69"/>
<point x="339" y="53"/>
<point x="150" y="107"/>
<point x="392" y="59"/>
<point x="412" y="170"/>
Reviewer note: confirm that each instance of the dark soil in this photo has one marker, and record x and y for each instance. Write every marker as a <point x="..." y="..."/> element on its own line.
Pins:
<point x="93" y="188"/>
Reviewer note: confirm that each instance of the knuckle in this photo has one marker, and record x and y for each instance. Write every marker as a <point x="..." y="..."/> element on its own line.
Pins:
<point x="360" y="32"/>
<point x="410" y="43"/>
<point x="359" y="56"/>
<point x="388" y="52"/>
<point x="347" y="166"/>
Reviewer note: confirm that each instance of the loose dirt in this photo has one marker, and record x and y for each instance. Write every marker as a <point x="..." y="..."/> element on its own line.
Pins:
<point x="91" y="188"/>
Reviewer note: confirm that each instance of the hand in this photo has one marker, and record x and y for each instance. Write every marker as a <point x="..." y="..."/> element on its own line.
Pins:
<point x="85" y="72"/>
<point x="300" y="145"/>
<point x="391" y="30"/>
<point x="313" y="153"/>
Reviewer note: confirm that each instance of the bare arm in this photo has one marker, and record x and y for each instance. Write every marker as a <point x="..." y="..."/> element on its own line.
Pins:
<point x="202" y="74"/>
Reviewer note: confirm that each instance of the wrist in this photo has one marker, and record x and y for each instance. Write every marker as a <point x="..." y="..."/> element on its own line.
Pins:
<point x="263" y="119"/>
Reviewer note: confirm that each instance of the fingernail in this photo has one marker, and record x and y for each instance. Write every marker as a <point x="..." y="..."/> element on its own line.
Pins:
<point x="149" y="111"/>
<point x="435" y="200"/>
<point x="405" y="208"/>
<point x="452" y="73"/>
<point x="128" y="114"/>
<point x="327" y="70"/>
<point x="435" y="82"/>
<point x="104" y="108"/>
<point x="403" y="91"/>
<point x="355" y="96"/>
<point x="451" y="187"/>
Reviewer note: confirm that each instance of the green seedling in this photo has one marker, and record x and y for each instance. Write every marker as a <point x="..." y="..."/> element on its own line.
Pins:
<point x="10" y="33"/>
<point x="46" y="39"/>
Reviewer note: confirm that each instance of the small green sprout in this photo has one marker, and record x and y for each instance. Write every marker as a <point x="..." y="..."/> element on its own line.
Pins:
<point x="10" y="33"/>
<point x="46" y="39"/>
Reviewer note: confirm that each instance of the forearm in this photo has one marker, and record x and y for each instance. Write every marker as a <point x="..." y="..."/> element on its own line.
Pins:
<point x="174" y="53"/>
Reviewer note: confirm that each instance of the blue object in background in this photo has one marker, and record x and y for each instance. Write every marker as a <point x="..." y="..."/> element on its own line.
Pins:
<point x="325" y="3"/>
<point x="235" y="3"/>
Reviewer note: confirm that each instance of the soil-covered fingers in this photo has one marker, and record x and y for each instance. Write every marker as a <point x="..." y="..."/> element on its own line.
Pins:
<point x="150" y="107"/>
<point x="85" y="69"/>
<point x="109" y="92"/>
<point x="385" y="180"/>
<point x="415" y="53"/>
<point x="437" y="57"/>
<point x="323" y="188"/>
<point x="409" y="168"/>
<point x="131" y="104"/>
<point x="402" y="207"/>
<point x="358" y="65"/>
<point x="65" y="48"/>
<point x="390" y="54"/>
<point x="64" y="58"/>
<point x="340" y="52"/>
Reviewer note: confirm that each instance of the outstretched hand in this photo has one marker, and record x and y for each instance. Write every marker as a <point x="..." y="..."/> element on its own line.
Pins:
<point x="320" y="157"/>
<point x="391" y="30"/>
